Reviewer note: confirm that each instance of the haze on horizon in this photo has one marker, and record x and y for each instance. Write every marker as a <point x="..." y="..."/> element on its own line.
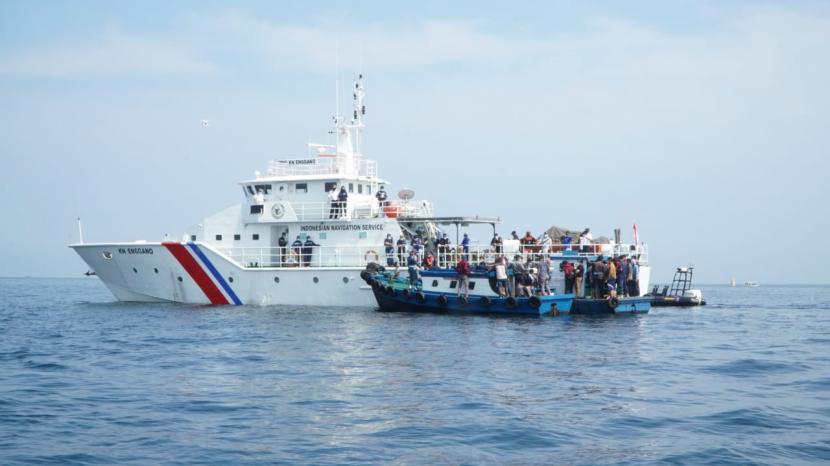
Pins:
<point x="705" y="123"/>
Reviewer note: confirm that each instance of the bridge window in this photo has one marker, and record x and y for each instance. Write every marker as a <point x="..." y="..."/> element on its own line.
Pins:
<point x="218" y="237"/>
<point x="255" y="236"/>
<point x="265" y="188"/>
<point x="237" y="237"/>
<point x="360" y="189"/>
<point x="301" y="187"/>
<point x="351" y="187"/>
<point x="329" y="185"/>
<point x="435" y="283"/>
<point x="368" y="189"/>
<point x="249" y="189"/>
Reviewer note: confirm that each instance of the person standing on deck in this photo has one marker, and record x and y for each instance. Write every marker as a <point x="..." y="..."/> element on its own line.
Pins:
<point x="412" y="267"/>
<point x="465" y="244"/>
<point x="501" y="277"/>
<point x="585" y="240"/>
<point x="611" y="275"/>
<point x="416" y="246"/>
<point x="308" y="250"/>
<point x="579" y="273"/>
<point x="381" y="197"/>
<point x="297" y="249"/>
<point x="568" y="271"/>
<point x="259" y="197"/>
<point x="282" y="242"/>
<point x="334" y="205"/>
<point x="598" y="271"/>
<point x="634" y="280"/>
<point x="496" y="243"/>
<point x="342" y="201"/>
<point x="389" y="248"/>
<point x="463" y="271"/>
<point x="443" y="251"/>
<point x="401" y="250"/>
<point x="622" y="275"/>
<point x="544" y="274"/>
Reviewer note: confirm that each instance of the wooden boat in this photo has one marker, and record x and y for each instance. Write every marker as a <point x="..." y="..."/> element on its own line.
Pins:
<point x="436" y="292"/>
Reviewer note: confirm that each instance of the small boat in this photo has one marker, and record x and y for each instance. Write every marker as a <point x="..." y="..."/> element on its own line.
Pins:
<point x="751" y="284"/>
<point x="612" y="305"/>
<point x="680" y="293"/>
<point x="436" y="292"/>
<point x="732" y="282"/>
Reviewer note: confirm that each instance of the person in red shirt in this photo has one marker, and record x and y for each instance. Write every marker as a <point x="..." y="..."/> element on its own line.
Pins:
<point x="463" y="271"/>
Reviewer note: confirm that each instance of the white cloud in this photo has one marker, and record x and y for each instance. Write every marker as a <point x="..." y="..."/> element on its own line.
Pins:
<point x="115" y="55"/>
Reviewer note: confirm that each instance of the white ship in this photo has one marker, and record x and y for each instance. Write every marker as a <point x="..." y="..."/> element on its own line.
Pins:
<point x="235" y="257"/>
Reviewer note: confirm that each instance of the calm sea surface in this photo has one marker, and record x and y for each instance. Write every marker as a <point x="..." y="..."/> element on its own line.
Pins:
<point x="86" y="380"/>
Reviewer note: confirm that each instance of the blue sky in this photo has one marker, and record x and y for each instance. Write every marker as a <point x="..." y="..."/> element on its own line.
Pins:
<point x="703" y="122"/>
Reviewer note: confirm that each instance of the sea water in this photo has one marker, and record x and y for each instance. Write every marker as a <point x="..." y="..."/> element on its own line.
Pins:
<point x="87" y="380"/>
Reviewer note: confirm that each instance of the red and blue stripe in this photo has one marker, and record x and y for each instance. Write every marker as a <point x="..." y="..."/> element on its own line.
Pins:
<point x="198" y="274"/>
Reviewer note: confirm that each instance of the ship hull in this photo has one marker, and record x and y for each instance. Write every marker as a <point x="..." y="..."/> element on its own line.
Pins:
<point x="196" y="274"/>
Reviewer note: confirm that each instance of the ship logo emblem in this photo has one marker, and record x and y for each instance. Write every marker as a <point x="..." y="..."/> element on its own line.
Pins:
<point x="277" y="210"/>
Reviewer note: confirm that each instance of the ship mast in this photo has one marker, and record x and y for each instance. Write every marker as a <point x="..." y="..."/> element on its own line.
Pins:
<point x="347" y="151"/>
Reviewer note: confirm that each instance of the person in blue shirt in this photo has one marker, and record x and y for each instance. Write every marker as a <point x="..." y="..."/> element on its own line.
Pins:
<point x="308" y="250"/>
<point x="465" y="243"/>
<point x="416" y="245"/>
<point x="381" y="197"/>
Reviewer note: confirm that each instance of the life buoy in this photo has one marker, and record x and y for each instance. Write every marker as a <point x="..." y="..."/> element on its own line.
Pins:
<point x="511" y="302"/>
<point x="485" y="302"/>
<point x="421" y="297"/>
<point x="442" y="300"/>
<point x="534" y="302"/>
<point x="613" y="303"/>
<point x="371" y="253"/>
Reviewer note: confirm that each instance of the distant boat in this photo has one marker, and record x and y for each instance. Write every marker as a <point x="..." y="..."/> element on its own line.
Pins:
<point x="751" y="284"/>
<point x="732" y="282"/>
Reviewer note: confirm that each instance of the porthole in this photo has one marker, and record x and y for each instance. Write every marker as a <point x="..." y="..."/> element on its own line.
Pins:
<point x="230" y="279"/>
<point x="155" y="269"/>
<point x="276" y="279"/>
<point x="107" y="255"/>
<point x="192" y="237"/>
<point x="180" y="278"/>
<point x="316" y="280"/>
<point x="135" y="270"/>
<point x="345" y="279"/>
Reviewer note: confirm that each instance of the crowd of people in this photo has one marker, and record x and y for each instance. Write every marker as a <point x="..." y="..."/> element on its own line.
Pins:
<point x="529" y="273"/>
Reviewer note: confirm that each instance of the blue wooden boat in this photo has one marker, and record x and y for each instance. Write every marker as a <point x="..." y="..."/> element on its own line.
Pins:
<point x="638" y="305"/>
<point x="436" y="292"/>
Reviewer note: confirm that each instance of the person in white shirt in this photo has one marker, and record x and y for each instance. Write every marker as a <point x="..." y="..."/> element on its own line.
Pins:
<point x="259" y="197"/>
<point x="333" y="202"/>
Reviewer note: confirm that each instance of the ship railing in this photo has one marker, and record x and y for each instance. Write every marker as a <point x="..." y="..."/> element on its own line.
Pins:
<point x="530" y="253"/>
<point x="324" y="165"/>
<point x="360" y="256"/>
<point x="324" y="210"/>
<point x="303" y="256"/>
